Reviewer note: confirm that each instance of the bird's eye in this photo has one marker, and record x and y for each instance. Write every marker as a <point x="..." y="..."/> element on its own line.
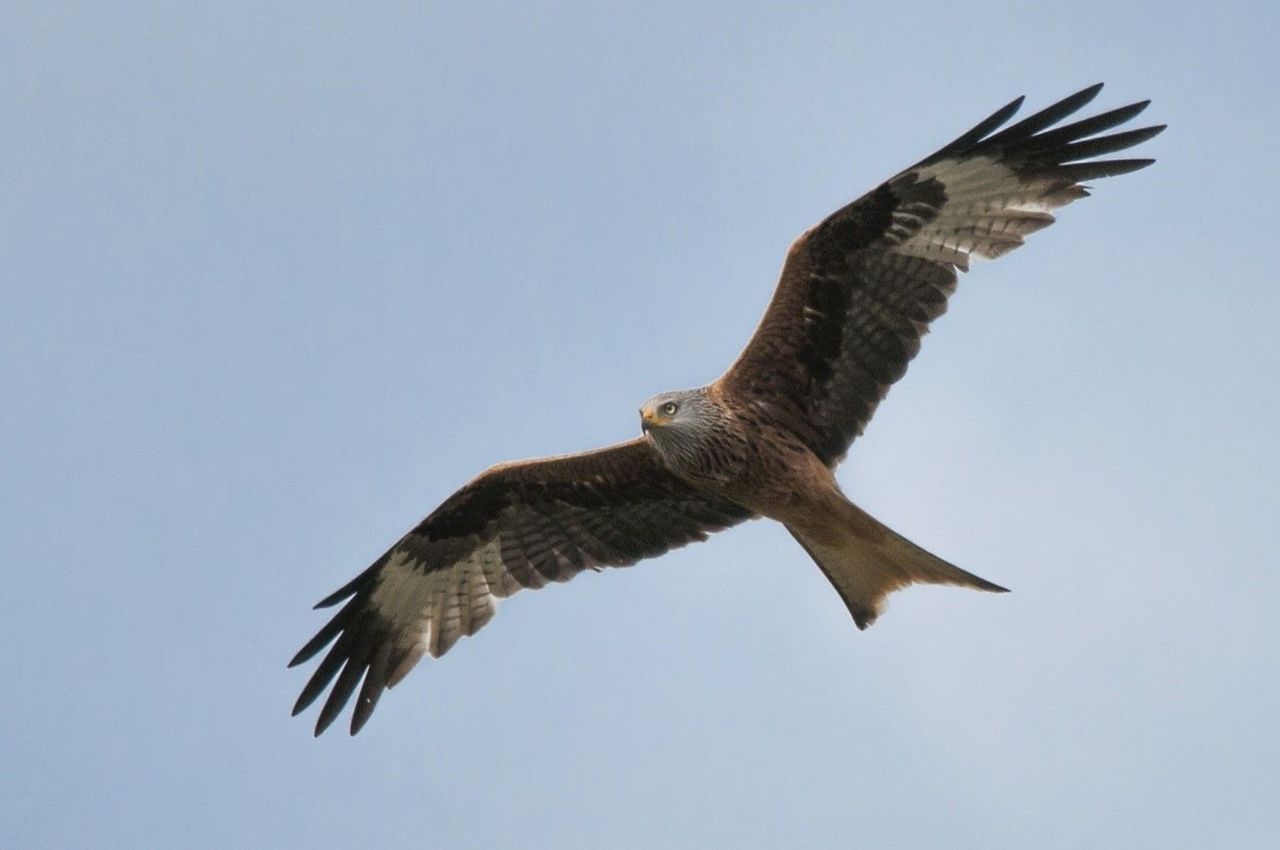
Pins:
<point x="669" y="409"/>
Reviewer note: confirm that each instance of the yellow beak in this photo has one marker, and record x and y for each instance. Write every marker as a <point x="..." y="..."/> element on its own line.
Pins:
<point x="648" y="418"/>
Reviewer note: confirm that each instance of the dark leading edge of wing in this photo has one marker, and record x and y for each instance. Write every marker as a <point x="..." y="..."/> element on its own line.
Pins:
<point x="516" y="526"/>
<point x="859" y="290"/>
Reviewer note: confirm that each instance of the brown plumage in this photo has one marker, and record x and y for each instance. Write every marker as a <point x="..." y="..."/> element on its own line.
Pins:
<point x="856" y="295"/>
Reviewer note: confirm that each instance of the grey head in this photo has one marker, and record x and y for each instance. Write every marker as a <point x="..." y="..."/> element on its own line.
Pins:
<point x="679" y="424"/>
<point x="677" y="410"/>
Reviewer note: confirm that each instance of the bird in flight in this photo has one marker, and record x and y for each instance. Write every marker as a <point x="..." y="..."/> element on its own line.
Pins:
<point x="856" y="295"/>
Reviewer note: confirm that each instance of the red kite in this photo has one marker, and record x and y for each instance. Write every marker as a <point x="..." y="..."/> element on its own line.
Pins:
<point x="857" y="294"/>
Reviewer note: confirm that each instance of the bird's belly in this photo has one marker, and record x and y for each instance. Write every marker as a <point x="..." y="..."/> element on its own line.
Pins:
<point x="785" y="482"/>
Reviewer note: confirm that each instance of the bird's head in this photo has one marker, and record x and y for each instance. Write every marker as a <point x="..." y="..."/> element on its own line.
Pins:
<point x="673" y="412"/>
<point x="680" y="426"/>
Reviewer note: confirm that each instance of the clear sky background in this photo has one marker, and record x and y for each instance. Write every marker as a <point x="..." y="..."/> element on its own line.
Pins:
<point x="275" y="281"/>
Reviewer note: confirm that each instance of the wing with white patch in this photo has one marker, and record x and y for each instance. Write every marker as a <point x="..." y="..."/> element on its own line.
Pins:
<point x="518" y="525"/>
<point x="859" y="290"/>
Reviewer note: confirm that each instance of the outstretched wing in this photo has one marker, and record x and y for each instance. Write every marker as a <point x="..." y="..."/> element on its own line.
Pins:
<point x="517" y="525"/>
<point x="859" y="290"/>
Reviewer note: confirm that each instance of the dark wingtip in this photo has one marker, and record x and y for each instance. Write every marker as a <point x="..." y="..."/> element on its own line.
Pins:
<point x="1007" y="111"/>
<point x="333" y="598"/>
<point x="360" y="582"/>
<point x="1047" y="117"/>
<point x="1075" y="102"/>
<point x="307" y="697"/>
<point x="1082" y="97"/>
<point x="327" y="633"/>
<point x="996" y="119"/>
<point x="978" y="132"/>
<point x="367" y="700"/>
<point x="1031" y="137"/>
<point x="1116" y="167"/>
<point x="324" y="721"/>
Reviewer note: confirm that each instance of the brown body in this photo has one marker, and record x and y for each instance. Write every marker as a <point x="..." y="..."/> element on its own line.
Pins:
<point x="771" y="471"/>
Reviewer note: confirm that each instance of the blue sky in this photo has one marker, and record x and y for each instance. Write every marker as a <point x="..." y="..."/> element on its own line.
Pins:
<point x="276" y="281"/>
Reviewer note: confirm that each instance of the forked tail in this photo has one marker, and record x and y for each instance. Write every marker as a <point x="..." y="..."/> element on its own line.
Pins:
<point x="866" y="561"/>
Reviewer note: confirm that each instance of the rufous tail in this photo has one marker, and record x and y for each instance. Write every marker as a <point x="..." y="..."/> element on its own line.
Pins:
<point x="866" y="561"/>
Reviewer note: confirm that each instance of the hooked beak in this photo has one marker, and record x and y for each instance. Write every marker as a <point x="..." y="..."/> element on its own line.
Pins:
<point x="647" y="419"/>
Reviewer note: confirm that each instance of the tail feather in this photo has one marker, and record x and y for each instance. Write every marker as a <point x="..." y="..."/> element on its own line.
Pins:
<point x="866" y="561"/>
